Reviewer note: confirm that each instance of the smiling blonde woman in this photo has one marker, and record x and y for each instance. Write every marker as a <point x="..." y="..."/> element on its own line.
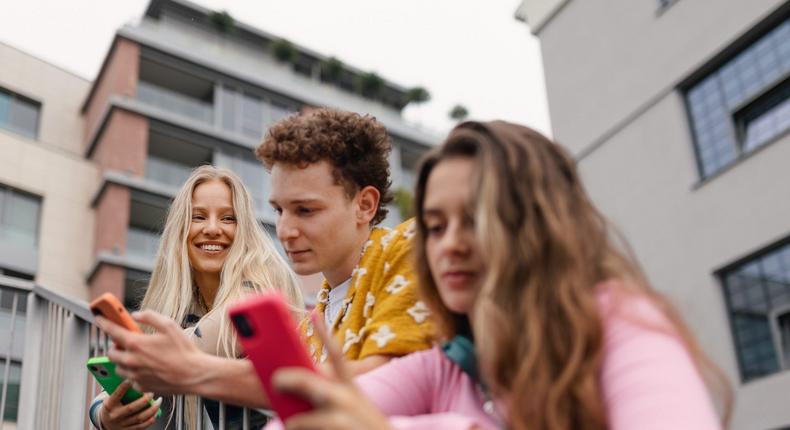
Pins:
<point x="213" y="253"/>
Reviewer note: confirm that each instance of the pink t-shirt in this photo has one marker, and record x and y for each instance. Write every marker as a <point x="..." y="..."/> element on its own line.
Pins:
<point x="648" y="379"/>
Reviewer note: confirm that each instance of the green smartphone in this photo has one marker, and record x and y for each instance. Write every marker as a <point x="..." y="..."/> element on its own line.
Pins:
<point x="104" y="371"/>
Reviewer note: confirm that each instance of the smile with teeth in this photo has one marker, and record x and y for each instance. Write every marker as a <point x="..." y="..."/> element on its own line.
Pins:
<point x="212" y="247"/>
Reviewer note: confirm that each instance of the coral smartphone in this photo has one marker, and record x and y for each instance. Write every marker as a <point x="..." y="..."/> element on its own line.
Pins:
<point x="104" y="371"/>
<point x="268" y="334"/>
<point x="108" y="306"/>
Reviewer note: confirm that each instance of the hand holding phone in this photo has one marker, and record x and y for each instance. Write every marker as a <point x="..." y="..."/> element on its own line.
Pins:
<point x="103" y="370"/>
<point x="109" y="307"/>
<point x="270" y="340"/>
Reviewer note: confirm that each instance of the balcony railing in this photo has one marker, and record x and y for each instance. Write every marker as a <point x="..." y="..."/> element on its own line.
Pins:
<point x="175" y="102"/>
<point x="59" y="337"/>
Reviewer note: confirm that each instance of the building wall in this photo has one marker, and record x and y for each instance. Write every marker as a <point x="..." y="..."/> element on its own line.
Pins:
<point x="52" y="168"/>
<point x="603" y="63"/>
<point x="611" y="74"/>
<point x="117" y="77"/>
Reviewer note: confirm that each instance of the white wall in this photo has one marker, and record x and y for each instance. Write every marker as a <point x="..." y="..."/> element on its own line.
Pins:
<point x="614" y="70"/>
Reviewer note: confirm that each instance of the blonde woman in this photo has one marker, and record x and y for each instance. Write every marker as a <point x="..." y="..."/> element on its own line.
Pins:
<point x="213" y="253"/>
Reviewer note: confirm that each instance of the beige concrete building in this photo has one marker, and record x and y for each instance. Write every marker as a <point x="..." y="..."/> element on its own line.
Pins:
<point x="679" y="112"/>
<point x="46" y="216"/>
<point x="46" y="222"/>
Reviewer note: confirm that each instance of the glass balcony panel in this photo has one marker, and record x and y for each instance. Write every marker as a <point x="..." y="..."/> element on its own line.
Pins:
<point x="175" y="102"/>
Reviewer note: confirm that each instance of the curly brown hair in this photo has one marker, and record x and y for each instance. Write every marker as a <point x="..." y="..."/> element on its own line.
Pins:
<point x="356" y="145"/>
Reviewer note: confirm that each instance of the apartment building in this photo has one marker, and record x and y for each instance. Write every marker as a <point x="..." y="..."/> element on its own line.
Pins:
<point x="678" y="113"/>
<point x="187" y="86"/>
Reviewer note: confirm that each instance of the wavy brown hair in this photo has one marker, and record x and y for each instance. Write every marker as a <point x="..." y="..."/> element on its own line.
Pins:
<point x="537" y="323"/>
<point x="357" y="146"/>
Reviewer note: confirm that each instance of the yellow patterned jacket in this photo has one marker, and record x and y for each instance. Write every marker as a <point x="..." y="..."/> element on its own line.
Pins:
<point x="381" y="313"/>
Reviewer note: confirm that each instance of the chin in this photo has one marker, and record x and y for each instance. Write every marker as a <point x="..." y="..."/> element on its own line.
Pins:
<point x="303" y="269"/>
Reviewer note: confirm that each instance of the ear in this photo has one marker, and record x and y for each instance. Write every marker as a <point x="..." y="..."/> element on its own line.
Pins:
<point x="367" y="202"/>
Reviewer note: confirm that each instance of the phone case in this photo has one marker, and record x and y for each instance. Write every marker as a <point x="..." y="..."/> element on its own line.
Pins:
<point x="270" y="340"/>
<point x="108" y="306"/>
<point x="103" y="370"/>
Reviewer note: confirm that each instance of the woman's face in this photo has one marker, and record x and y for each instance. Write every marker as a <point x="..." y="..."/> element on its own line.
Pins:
<point x="212" y="228"/>
<point x="451" y="245"/>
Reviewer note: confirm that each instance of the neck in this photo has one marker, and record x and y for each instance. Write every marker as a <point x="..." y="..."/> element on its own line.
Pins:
<point x="339" y="274"/>
<point x="207" y="285"/>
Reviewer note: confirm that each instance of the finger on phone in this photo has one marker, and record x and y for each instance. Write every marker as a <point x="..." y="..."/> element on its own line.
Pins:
<point x="117" y="395"/>
<point x="136" y="406"/>
<point x="333" y="351"/>
<point x="144" y="415"/>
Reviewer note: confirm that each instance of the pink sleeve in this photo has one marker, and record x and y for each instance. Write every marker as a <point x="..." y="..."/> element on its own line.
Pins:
<point x="447" y="420"/>
<point x="404" y="386"/>
<point x="648" y="377"/>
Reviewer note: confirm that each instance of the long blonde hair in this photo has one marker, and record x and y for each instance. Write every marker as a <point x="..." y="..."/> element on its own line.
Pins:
<point x="252" y="260"/>
<point x="537" y="323"/>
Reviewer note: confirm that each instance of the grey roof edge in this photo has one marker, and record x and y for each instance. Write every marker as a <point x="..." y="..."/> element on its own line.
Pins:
<point x="394" y="125"/>
<point x="156" y="6"/>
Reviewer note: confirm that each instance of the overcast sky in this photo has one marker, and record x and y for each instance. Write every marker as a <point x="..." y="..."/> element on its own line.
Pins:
<point x="471" y="52"/>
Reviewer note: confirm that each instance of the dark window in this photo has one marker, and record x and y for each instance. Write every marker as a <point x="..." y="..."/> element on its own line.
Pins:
<point x="743" y="104"/>
<point x="19" y="114"/>
<point x="12" y="390"/>
<point x="758" y="301"/>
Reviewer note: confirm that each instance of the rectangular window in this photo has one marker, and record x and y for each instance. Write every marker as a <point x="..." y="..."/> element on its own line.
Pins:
<point x="743" y="104"/>
<point x="19" y="214"/>
<point x="250" y="115"/>
<point x="19" y="114"/>
<point x="758" y="302"/>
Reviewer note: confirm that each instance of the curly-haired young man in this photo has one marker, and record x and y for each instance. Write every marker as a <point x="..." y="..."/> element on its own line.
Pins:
<point x="330" y="186"/>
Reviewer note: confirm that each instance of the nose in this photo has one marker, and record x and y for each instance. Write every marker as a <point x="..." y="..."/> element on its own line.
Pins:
<point x="287" y="228"/>
<point x="457" y="240"/>
<point x="211" y="227"/>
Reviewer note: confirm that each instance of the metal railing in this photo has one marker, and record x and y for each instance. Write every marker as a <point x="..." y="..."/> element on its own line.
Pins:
<point x="59" y="337"/>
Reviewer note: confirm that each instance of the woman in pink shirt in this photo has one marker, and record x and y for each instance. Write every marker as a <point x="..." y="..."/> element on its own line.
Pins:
<point x="545" y="322"/>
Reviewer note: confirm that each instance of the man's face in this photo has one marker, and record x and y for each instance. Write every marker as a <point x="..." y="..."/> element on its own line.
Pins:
<point x="317" y="221"/>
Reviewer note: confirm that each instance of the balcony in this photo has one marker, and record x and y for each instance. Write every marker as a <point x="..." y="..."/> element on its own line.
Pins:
<point x="141" y="243"/>
<point x="173" y="101"/>
<point x="166" y="171"/>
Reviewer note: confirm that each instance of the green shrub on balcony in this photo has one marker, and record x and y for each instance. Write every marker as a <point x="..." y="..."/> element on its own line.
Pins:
<point x="417" y="95"/>
<point x="370" y="85"/>
<point x="331" y="69"/>
<point x="459" y="112"/>
<point x="283" y="50"/>
<point x="223" y="22"/>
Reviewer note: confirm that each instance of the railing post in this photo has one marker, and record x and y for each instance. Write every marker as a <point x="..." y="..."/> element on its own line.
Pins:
<point x="31" y="361"/>
<point x="76" y="349"/>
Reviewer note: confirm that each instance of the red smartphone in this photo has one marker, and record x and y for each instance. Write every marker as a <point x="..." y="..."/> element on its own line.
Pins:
<point x="268" y="334"/>
<point x="108" y="306"/>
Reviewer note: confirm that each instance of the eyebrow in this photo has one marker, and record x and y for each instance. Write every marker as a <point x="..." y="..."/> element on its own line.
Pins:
<point x="297" y="202"/>
<point x="201" y="208"/>
<point x="432" y="212"/>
